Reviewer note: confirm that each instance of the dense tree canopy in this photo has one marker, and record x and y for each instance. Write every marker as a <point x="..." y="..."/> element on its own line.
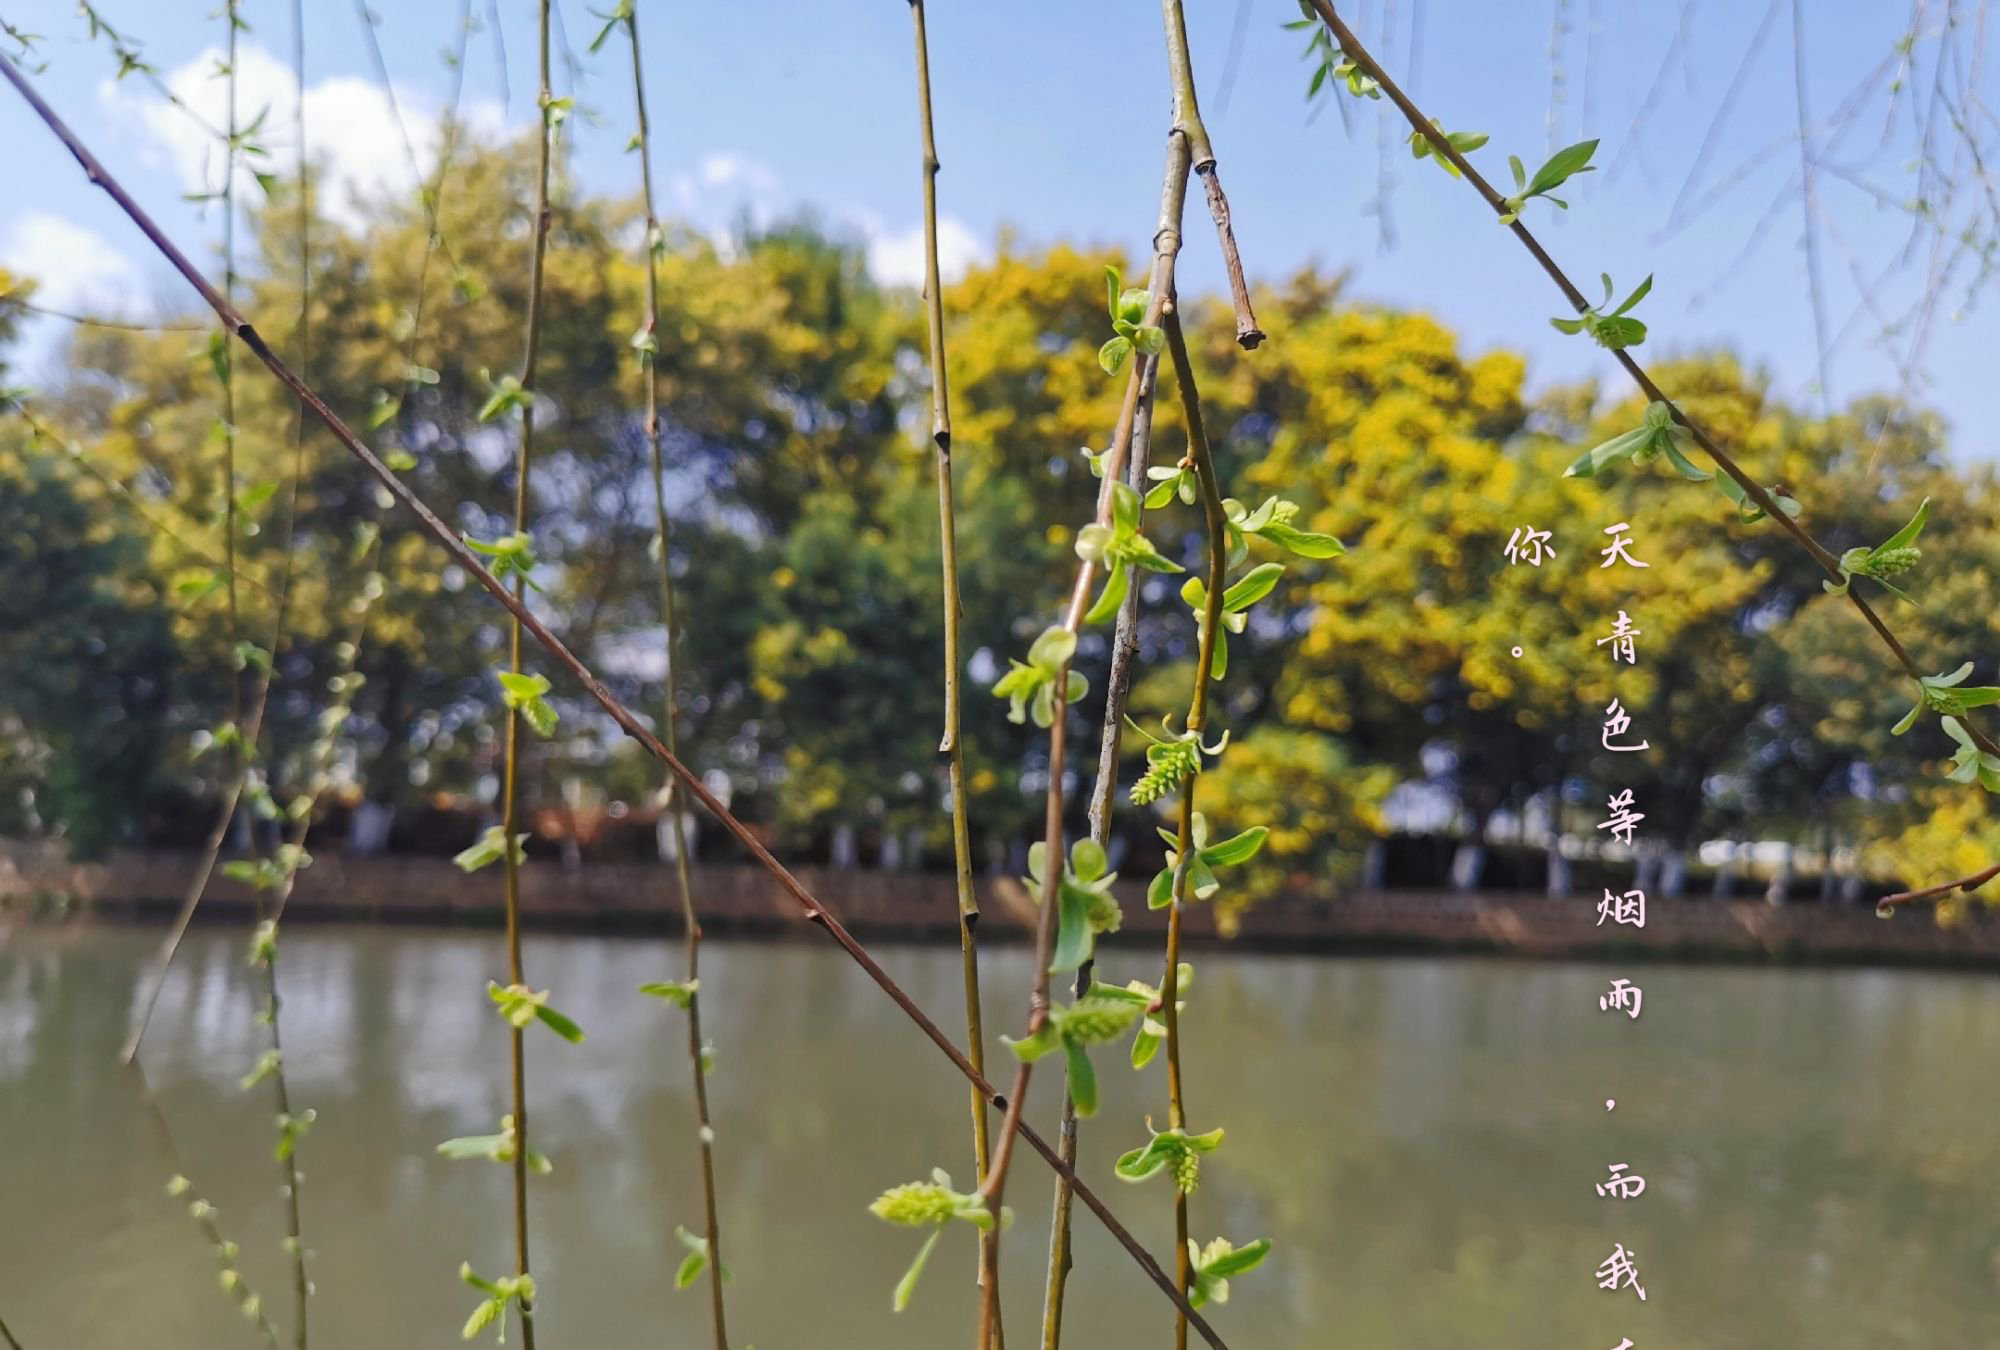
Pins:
<point x="805" y="548"/>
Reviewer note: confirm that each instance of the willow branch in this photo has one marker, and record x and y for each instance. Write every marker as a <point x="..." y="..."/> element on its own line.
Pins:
<point x="1755" y="491"/>
<point x="181" y="1189"/>
<point x="248" y="725"/>
<point x="510" y="789"/>
<point x="1117" y="690"/>
<point x="40" y="431"/>
<point x="281" y="1091"/>
<point x="226" y="357"/>
<point x="448" y="130"/>
<point x="1187" y="116"/>
<point x="627" y="721"/>
<point x="1966" y="884"/>
<point x="951" y="745"/>
<point x="97" y="321"/>
<point x="663" y="526"/>
<point x="1166" y="249"/>
<point x="1217" y="537"/>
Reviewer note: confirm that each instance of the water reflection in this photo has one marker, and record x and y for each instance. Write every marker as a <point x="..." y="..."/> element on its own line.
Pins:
<point x="1419" y="1137"/>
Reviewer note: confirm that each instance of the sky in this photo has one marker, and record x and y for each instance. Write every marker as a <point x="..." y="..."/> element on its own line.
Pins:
<point x="1051" y="117"/>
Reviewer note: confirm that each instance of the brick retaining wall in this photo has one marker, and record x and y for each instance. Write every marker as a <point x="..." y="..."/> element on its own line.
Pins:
<point x="921" y="906"/>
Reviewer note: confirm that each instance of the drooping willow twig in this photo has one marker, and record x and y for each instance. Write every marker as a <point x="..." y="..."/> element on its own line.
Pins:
<point x="1117" y="690"/>
<point x="1440" y="144"/>
<point x="130" y="62"/>
<point x="510" y="783"/>
<point x="669" y="624"/>
<point x="1166" y="249"/>
<point x="225" y="354"/>
<point x="448" y="132"/>
<point x="179" y="1187"/>
<point x="1187" y="116"/>
<point x="1217" y="542"/>
<point x="1967" y="885"/>
<point x="14" y="301"/>
<point x="266" y="947"/>
<point x="954" y="673"/>
<point x="1193" y="136"/>
<point x="627" y="721"/>
<point x="246" y="724"/>
<point x="41" y="432"/>
<point x="292" y="855"/>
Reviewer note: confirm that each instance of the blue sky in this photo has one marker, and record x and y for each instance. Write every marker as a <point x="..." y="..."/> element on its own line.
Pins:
<point x="1050" y="119"/>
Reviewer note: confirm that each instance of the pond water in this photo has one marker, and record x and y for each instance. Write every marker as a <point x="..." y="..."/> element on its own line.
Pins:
<point x="1420" y="1138"/>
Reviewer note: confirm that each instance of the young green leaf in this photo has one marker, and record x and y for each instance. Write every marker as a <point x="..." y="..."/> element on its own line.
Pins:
<point x="680" y="993"/>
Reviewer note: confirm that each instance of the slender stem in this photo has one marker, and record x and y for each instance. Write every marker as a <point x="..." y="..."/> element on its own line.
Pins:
<point x="1967" y="884"/>
<point x="1166" y="249"/>
<point x="8" y="1336"/>
<point x="1187" y="116"/>
<point x="1117" y="689"/>
<point x="951" y="745"/>
<point x="455" y="550"/>
<point x="1191" y="140"/>
<point x="510" y="788"/>
<point x="1754" y="490"/>
<point x="202" y="1212"/>
<point x="288" y="1161"/>
<point x="288" y="1165"/>
<point x="226" y="356"/>
<point x="249" y="726"/>
<point x="40" y="431"/>
<point x="690" y="920"/>
<point x="97" y="321"/>
<point x="1217" y="533"/>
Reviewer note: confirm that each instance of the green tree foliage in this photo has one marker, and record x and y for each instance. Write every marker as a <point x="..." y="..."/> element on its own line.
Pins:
<point x="793" y="389"/>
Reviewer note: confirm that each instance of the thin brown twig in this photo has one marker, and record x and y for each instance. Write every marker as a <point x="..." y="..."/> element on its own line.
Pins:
<point x="1752" y="489"/>
<point x="627" y="721"/>
<point x="1966" y="884"/>
<point x="951" y="745"/>
<point x="663" y="530"/>
<point x="14" y="301"/>
<point x="1187" y="116"/>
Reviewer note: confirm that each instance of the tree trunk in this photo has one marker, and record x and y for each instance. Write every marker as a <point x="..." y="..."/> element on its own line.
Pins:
<point x="846" y="848"/>
<point x="1560" y="880"/>
<point x="1468" y="862"/>
<point x="1674" y="873"/>
<point x="368" y="828"/>
<point x="1781" y="880"/>
<point x="1375" y="865"/>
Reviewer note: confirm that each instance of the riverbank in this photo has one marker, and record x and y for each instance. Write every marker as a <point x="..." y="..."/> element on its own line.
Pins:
<point x="920" y="907"/>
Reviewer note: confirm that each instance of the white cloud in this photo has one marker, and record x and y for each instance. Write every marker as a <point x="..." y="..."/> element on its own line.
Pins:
<point x="73" y="267"/>
<point x="898" y="259"/>
<point x="723" y="189"/>
<point x="351" y="126"/>
<point x="726" y="187"/>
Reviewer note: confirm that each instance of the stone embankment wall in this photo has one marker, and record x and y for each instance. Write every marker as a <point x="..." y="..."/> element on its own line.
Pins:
<point x="919" y="906"/>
